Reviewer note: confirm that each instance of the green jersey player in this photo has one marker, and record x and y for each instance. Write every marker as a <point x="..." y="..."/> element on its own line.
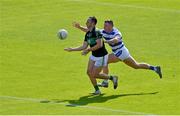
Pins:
<point x="99" y="57"/>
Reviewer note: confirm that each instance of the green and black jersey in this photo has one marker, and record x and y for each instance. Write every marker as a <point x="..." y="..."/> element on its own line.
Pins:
<point x="91" y="37"/>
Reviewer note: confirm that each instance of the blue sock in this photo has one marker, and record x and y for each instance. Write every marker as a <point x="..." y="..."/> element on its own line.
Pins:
<point x="110" y="77"/>
<point x="152" y="68"/>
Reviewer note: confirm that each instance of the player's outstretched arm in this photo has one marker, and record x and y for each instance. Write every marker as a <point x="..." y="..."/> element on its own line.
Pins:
<point x="80" y="48"/>
<point x="78" y="26"/>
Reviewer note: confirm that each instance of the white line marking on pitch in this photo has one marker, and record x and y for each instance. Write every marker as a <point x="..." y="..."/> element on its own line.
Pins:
<point x="130" y="6"/>
<point x="81" y="106"/>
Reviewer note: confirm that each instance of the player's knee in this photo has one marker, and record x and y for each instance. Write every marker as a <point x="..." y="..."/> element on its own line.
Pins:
<point x="95" y="75"/>
<point x="136" y="66"/>
<point x="89" y="73"/>
<point x="105" y="70"/>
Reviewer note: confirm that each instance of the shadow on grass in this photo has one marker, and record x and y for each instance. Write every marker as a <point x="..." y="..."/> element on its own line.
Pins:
<point x="85" y="100"/>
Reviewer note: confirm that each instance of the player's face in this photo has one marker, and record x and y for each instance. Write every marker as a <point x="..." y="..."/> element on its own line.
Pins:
<point x="108" y="27"/>
<point x="89" y="24"/>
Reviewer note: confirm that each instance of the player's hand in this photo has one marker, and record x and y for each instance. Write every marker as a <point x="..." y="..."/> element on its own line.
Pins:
<point x="68" y="49"/>
<point x="109" y="42"/>
<point x="105" y="41"/>
<point x="76" y="25"/>
<point x="85" y="52"/>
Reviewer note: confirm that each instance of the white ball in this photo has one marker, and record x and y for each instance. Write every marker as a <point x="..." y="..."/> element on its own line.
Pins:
<point x="62" y="34"/>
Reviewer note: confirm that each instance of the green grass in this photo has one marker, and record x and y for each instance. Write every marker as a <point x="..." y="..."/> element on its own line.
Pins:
<point x="33" y="63"/>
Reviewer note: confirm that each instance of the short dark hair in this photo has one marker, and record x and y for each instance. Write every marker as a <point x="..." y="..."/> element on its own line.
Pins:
<point x="109" y="21"/>
<point x="93" y="19"/>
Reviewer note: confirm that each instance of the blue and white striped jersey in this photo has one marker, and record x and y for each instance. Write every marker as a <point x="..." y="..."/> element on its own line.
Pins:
<point x="111" y="35"/>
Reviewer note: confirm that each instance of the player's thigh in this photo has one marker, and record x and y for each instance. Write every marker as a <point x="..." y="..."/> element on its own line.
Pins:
<point x="96" y="70"/>
<point x="112" y="58"/>
<point x="90" y="66"/>
<point x="130" y="62"/>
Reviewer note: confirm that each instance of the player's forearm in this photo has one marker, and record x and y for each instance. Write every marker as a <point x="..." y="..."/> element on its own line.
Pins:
<point x="94" y="48"/>
<point x="115" y="40"/>
<point x="83" y="28"/>
<point x="112" y="41"/>
<point x="78" y="48"/>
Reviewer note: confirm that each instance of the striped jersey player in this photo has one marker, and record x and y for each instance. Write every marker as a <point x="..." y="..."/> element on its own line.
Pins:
<point x="118" y="48"/>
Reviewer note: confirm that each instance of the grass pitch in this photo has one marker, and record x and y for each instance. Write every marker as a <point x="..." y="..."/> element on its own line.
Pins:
<point x="38" y="77"/>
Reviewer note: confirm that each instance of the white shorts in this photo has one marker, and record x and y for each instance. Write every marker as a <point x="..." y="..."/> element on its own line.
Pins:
<point x="100" y="61"/>
<point x="122" y="53"/>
